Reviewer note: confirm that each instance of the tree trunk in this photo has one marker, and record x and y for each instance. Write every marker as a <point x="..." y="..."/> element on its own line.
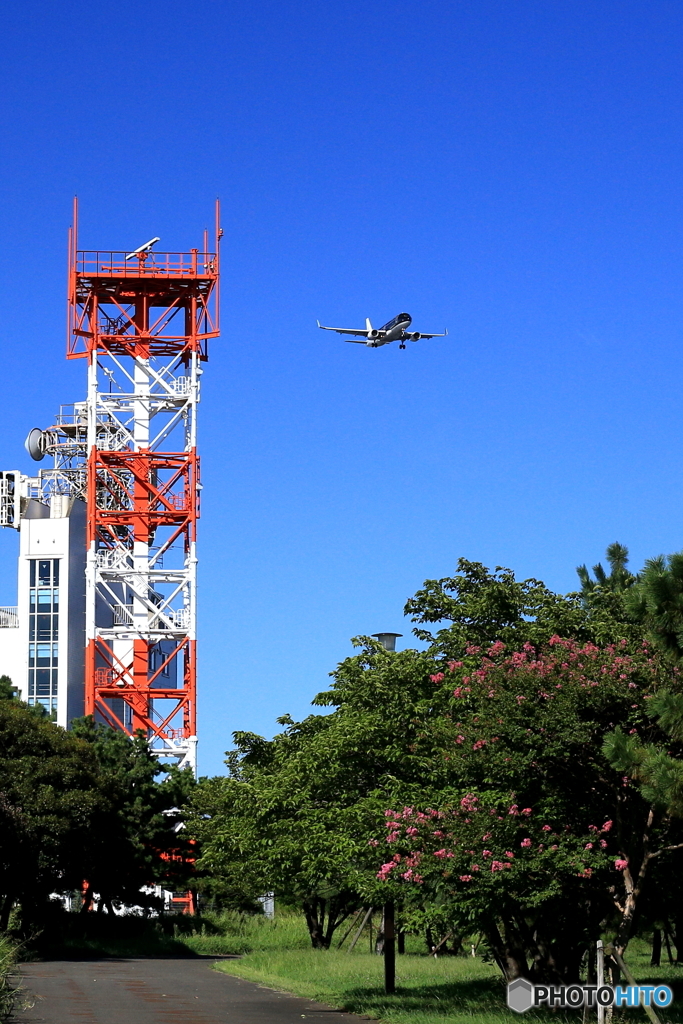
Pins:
<point x="634" y="887"/>
<point x="5" y="911"/>
<point x="379" y="940"/>
<point x="656" y="958"/>
<point x="324" y="916"/>
<point x="509" y="955"/>
<point x="314" y="910"/>
<point x="668" y="946"/>
<point x="389" y="949"/>
<point x="429" y="939"/>
<point x="678" y="939"/>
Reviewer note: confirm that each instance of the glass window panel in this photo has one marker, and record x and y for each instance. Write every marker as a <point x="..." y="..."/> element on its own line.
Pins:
<point x="43" y="682"/>
<point x="32" y="627"/>
<point x="55" y="599"/>
<point x="31" y="653"/>
<point x="55" y="572"/>
<point x="55" y="627"/>
<point x="32" y="571"/>
<point x="44" y="599"/>
<point x="55" y="653"/>
<point x="54" y="680"/>
<point x="44" y="627"/>
<point x="32" y="599"/>
<point x="31" y="684"/>
<point x="44" y="573"/>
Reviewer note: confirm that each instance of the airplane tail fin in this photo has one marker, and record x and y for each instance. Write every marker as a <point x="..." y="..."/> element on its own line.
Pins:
<point x="368" y="325"/>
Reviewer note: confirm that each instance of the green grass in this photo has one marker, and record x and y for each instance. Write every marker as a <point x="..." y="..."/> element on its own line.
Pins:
<point x="234" y="933"/>
<point x="8" y="959"/>
<point x="68" y="936"/>
<point x="449" y="990"/>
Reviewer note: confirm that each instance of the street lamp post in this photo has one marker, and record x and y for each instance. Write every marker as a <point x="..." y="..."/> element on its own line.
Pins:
<point x="388" y="641"/>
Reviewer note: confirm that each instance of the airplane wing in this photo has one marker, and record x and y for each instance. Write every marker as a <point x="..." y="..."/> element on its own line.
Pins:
<point x="432" y="335"/>
<point x="343" y="330"/>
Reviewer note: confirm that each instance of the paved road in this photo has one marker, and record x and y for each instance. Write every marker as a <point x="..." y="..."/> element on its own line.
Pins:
<point x="158" y="992"/>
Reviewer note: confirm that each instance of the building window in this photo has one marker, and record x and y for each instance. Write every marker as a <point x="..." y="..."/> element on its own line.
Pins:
<point x="43" y="633"/>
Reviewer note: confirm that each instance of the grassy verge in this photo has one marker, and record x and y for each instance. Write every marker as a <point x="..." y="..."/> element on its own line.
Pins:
<point x="67" y="936"/>
<point x="450" y="990"/>
<point x="8" y="959"/>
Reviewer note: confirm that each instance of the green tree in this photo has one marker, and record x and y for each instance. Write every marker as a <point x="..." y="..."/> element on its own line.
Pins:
<point x="50" y="801"/>
<point x="619" y="578"/>
<point x="296" y="812"/>
<point x="653" y="759"/>
<point x="299" y="813"/>
<point x="138" y="841"/>
<point x="656" y="601"/>
<point x="8" y="691"/>
<point x="480" y="607"/>
<point x="523" y="838"/>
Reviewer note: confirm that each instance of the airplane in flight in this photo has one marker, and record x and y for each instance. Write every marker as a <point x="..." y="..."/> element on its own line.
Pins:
<point x="395" y="330"/>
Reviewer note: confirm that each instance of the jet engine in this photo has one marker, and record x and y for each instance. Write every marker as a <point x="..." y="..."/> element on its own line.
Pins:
<point x="415" y="336"/>
<point x="373" y="335"/>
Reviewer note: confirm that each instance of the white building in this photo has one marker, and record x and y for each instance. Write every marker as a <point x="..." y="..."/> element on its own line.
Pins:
<point x="42" y="636"/>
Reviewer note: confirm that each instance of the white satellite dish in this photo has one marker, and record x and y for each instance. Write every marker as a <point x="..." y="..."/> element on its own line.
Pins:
<point x="143" y="248"/>
<point x="35" y="444"/>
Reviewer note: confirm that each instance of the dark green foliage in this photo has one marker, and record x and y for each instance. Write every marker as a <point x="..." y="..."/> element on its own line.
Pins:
<point x="50" y="801"/>
<point x="483" y="607"/>
<point x="82" y="807"/>
<point x="227" y="872"/>
<point x="302" y="813"/>
<point x="656" y="601"/>
<point x="136" y="844"/>
<point x="619" y="579"/>
<point x="8" y="691"/>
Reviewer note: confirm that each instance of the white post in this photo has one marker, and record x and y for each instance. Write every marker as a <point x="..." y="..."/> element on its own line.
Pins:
<point x="600" y="977"/>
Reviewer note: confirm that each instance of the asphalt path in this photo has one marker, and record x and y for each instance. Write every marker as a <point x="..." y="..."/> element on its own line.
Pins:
<point x="146" y="991"/>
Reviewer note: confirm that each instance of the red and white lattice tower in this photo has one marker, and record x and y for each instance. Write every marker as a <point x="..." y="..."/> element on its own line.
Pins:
<point x="143" y="322"/>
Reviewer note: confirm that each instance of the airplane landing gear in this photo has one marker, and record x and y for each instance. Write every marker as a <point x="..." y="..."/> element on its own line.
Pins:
<point x="402" y="345"/>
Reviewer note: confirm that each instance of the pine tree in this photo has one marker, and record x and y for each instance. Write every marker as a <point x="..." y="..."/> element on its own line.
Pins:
<point x="619" y="579"/>
<point x="656" y="600"/>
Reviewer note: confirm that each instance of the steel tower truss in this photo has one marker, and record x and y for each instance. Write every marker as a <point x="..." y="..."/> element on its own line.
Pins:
<point x="143" y="323"/>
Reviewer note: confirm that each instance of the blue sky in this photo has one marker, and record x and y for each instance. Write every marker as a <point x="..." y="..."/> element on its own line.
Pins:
<point x="511" y="170"/>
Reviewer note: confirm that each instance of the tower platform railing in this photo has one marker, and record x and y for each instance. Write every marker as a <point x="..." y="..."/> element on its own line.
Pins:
<point x="101" y="263"/>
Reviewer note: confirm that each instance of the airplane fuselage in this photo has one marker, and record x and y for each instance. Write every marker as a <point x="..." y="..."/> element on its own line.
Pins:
<point x="391" y="331"/>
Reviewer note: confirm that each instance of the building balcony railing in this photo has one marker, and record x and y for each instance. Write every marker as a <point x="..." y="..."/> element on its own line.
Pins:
<point x="9" y="618"/>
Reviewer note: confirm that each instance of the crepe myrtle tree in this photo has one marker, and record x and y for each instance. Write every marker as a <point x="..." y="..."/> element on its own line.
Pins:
<point x="527" y="841"/>
<point x="481" y="607"/>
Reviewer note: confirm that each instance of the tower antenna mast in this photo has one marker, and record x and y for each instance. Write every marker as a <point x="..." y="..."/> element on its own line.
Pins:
<point x="143" y="320"/>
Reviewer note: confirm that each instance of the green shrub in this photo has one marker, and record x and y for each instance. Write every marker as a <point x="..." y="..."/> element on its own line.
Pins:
<point x="8" y="959"/>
